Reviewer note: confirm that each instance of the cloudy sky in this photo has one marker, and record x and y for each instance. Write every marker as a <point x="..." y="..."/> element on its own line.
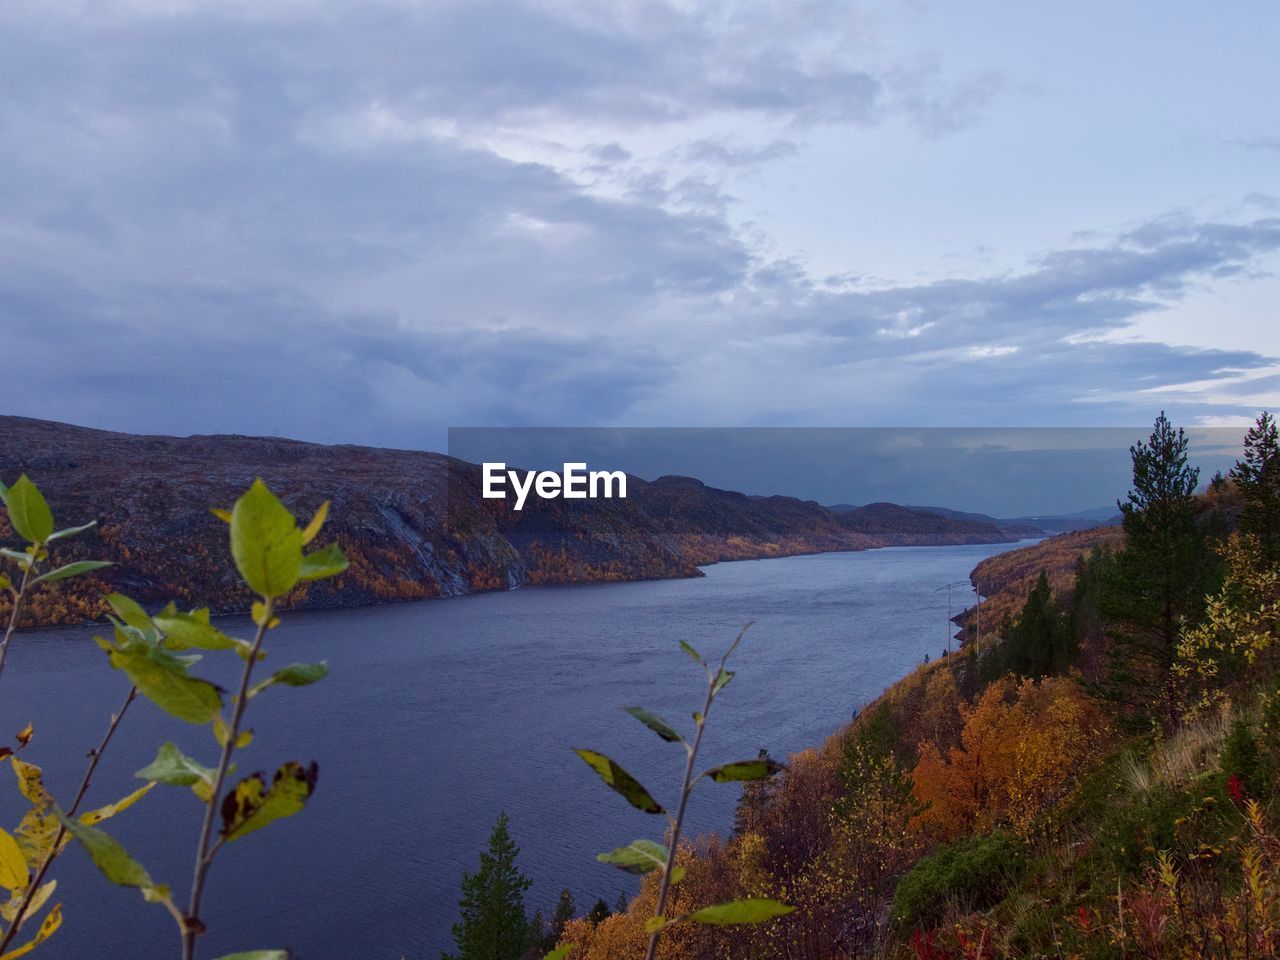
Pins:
<point x="370" y="221"/>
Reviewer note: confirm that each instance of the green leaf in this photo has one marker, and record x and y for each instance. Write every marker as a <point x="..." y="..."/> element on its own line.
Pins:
<point x="266" y="543"/>
<point x="72" y="531"/>
<point x="184" y="631"/>
<point x="29" y="514"/>
<point x="654" y="924"/>
<point x="694" y="654"/>
<point x="259" y="955"/>
<point x="163" y="679"/>
<point x="722" y="681"/>
<point x="175" y="768"/>
<point x="131" y="612"/>
<point x="621" y="781"/>
<point x="294" y="675"/>
<point x="559" y="953"/>
<point x="72" y="570"/>
<point x="113" y="860"/>
<point x="656" y="724"/>
<point x="326" y="562"/>
<point x="741" y="911"/>
<point x="759" y="769"/>
<point x="251" y="805"/>
<point x="23" y="559"/>
<point x="639" y="856"/>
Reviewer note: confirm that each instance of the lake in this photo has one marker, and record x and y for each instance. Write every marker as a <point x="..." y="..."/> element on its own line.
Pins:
<point x="440" y="714"/>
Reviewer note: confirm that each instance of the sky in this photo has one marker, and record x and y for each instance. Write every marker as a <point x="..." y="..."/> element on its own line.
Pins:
<point x="369" y="222"/>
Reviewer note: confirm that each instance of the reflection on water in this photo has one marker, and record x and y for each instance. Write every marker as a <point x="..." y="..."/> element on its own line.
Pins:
<point x="438" y="715"/>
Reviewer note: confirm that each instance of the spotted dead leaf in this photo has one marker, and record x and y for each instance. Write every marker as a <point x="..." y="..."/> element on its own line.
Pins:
<point x="252" y="804"/>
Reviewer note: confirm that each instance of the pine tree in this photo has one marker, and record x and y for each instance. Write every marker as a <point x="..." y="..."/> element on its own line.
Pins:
<point x="1257" y="475"/>
<point x="565" y="911"/>
<point x="540" y="939"/>
<point x="598" y="912"/>
<point x="1084" y="620"/>
<point x="752" y="803"/>
<point x="1161" y="575"/>
<point x="493" y="925"/>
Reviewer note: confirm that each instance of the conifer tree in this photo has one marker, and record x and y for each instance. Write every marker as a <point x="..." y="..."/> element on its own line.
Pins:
<point x="565" y="911"/>
<point x="1037" y="644"/>
<point x="1257" y="475"/>
<point x="1161" y="575"/>
<point x="599" y="912"/>
<point x="493" y="924"/>
<point x="752" y="803"/>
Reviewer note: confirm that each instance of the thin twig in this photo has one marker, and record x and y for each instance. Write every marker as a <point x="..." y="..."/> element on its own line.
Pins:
<point x="18" y="596"/>
<point x="95" y="756"/>
<point x="204" y="854"/>
<point x="686" y="788"/>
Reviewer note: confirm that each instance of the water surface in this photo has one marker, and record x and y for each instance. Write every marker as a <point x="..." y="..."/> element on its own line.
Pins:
<point x="440" y="714"/>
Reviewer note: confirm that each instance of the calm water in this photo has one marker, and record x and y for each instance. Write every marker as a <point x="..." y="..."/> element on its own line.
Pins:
<point x="438" y="715"/>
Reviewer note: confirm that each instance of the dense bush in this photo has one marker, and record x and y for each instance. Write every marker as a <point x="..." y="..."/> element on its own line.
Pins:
<point x="972" y="874"/>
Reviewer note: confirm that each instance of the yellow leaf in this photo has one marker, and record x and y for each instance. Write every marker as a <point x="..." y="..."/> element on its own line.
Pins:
<point x="52" y="922"/>
<point x="31" y="782"/>
<point x="24" y="737"/>
<point x="260" y="616"/>
<point x="13" y="865"/>
<point x="111" y="809"/>
<point x="38" y="900"/>
<point x="316" y="523"/>
<point x="223" y="515"/>
<point x="39" y="826"/>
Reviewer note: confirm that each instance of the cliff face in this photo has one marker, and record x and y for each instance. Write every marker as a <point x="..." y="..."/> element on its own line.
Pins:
<point x="413" y="524"/>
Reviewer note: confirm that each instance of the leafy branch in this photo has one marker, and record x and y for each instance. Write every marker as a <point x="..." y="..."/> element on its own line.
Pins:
<point x="25" y="858"/>
<point x="645" y="856"/>
<point x="152" y="650"/>
<point x="32" y="520"/>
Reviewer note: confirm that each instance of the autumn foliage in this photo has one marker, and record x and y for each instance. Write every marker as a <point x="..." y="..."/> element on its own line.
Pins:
<point x="1021" y="748"/>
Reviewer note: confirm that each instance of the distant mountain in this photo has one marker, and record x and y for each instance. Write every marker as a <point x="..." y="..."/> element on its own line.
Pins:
<point x="1040" y="525"/>
<point x="413" y="524"/>
<point x="1082" y="520"/>
<point x="923" y="525"/>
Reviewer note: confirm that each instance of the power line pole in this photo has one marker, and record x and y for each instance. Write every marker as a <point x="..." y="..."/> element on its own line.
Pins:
<point x="949" y="624"/>
<point x="978" y="638"/>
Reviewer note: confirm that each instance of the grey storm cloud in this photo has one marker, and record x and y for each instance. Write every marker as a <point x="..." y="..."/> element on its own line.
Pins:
<point x="478" y="60"/>
<point x="262" y="217"/>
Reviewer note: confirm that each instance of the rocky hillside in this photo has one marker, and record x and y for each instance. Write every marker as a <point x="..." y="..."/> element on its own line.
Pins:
<point x="413" y="524"/>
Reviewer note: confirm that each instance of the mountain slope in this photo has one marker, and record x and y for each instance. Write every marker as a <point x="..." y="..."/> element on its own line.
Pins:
<point x="413" y="524"/>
